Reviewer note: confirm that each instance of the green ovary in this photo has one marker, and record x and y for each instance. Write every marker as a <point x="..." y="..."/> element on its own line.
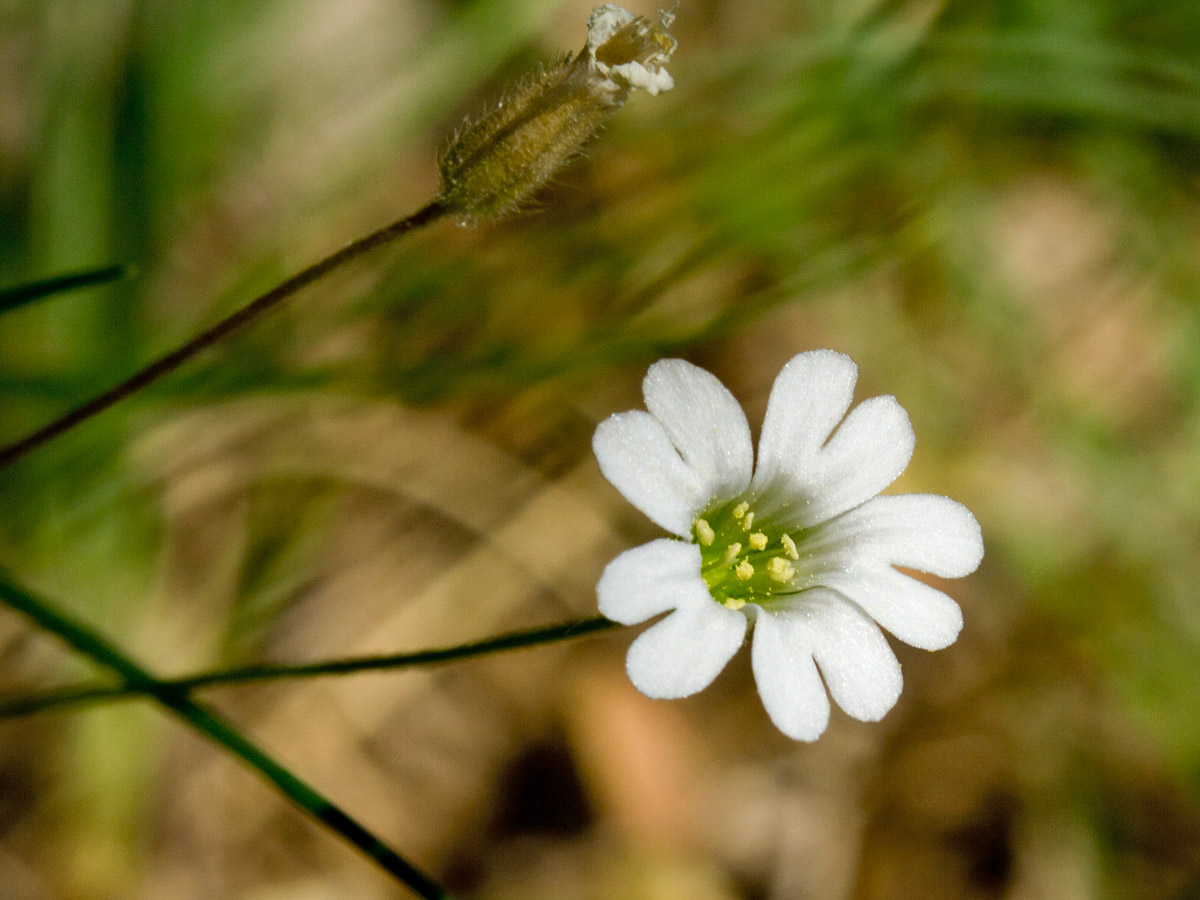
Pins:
<point x="743" y="560"/>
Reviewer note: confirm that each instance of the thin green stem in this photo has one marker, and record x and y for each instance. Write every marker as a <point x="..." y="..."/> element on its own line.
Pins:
<point x="20" y="295"/>
<point x="84" y="694"/>
<point x="171" y="361"/>
<point x="218" y="729"/>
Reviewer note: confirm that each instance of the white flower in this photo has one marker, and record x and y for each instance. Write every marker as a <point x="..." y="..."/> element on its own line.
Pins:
<point x="625" y="51"/>
<point x="801" y="545"/>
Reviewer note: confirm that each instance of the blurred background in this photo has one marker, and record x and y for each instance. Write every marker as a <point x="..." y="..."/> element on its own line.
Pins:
<point x="990" y="204"/>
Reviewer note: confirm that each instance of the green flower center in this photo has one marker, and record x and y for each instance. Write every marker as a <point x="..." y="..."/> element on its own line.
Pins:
<point x="744" y="560"/>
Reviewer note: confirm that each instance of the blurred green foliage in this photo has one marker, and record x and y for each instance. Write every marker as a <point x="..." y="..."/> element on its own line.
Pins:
<point x="990" y="204"/>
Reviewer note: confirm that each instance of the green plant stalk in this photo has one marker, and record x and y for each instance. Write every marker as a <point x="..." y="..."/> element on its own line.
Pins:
<point x="85" y="694"/>
<point x="171" y="361"/>
<point x="210" y="723"/>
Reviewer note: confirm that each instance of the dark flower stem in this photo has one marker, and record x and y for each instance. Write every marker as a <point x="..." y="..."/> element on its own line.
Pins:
<point x="86" y="694"/>
<point x="263" y="303"/>
<point x="218" y="729"/>
<point x="23" y="294"/>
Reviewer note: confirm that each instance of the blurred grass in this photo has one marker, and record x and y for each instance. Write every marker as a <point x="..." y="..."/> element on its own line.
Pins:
<point x="992" y="206"/>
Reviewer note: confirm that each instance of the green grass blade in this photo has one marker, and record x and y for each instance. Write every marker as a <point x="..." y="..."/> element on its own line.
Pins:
<point x="32" y="291"/>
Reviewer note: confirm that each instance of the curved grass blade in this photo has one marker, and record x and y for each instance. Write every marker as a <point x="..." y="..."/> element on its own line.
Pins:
<point x="32" y="291"/>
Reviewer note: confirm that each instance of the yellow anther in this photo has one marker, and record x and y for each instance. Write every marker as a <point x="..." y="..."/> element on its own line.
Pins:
<point x="748" y="522"/>
<point x="758" y="541"/>
<point x="705" y="533"/>
<point x="789" y="546"/>
<point x="741" y="509"/>
<point x="779" y="569"/>
<point x="732" y="551"/>
<point x="735" y="602"/>
<point x="744" y="570"/>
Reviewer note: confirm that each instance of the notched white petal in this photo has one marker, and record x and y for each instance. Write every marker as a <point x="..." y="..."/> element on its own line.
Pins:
<point x="867" y="453"/>
<point x="858" y="666"/>
<point x="684" y="652"/>
<point x="787" y="679"/>
<point x="648" y="580"/>
<point x="925" y="532"/>
<point x="636" y="456"/>
<point x="912" y="611"/>
<point x="705" y="423"/>
<point x="809" y="397"/>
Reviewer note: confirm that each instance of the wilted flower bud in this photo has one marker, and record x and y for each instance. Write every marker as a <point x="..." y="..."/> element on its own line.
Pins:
<point x="497" y="162"/>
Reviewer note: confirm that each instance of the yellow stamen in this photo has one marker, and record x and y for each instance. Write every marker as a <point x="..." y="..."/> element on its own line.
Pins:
<point x="749" y="521"/>
<point x="740" y="509"/>
<point x="758" y="541"/>
<point x="735" y="603"/>
<point x="789" y="546"/>
<point x="732" y="551"/>
<point x="779" y="569"/>
<point x="705" y="533"/>
<point x="744" y="570"/>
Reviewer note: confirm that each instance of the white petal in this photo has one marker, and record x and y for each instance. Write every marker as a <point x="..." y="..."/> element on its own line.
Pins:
<point x="704" y="422"/>
<point x="684" y="652"/>
<point x="648" y="580"/>
<point x="635" y="454"/>
<point x="866" y="454"/>
<point x="787" y="678"/>
<point x="918" y="531"/>
<point x="809" y="397"/>
<point x="856" y="662"/>
<point x="652" y="80"/>
<point x="604" y="22"/>
<point x="914" y="612"/>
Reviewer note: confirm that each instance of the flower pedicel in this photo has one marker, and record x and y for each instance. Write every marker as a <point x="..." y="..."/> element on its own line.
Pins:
<point x="802" y="545"/>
